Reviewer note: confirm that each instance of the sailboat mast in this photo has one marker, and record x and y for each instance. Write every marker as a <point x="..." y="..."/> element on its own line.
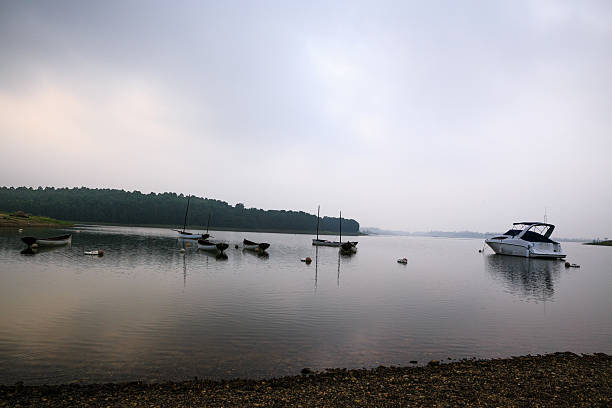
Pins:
<point x="208" y="224"/>
<point x="318" y="212"/>
<point x="340" y="227"/>
<point x="186" y="211"/>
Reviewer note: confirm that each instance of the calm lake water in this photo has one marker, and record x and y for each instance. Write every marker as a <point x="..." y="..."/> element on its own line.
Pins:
<point x="146" y="312"/>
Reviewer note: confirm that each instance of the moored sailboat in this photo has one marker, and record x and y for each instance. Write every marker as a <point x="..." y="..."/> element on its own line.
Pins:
<point x="189" y="235"/>
<point x="324" y="242"/>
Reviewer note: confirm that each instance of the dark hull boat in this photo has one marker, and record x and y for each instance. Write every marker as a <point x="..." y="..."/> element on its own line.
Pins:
<point x="349" y="247"/>
<point x="51" y="241"/>
<point x="255" y="246"/>
<point x="215" y="247"/>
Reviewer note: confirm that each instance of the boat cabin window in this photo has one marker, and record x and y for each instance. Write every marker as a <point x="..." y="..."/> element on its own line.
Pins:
<point x="535" y="237"/>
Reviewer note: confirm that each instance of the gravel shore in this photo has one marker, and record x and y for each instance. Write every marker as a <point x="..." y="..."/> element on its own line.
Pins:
<point x="553" y="380"/>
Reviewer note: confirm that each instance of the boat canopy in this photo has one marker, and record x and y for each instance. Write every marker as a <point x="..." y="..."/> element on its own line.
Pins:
<point x="546" y="230"/>
<point x="532" y="223"/>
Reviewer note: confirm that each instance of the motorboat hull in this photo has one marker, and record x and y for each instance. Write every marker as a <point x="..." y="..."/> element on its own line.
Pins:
<point x="519" y="247"/>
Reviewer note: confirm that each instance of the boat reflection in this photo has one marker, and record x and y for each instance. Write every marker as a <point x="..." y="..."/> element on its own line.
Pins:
<point x="42" y="249"/>
<point x="258" y="254"/>
<point x="530" y="279"/>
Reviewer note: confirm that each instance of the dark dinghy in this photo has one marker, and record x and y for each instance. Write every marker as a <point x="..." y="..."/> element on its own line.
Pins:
<point x="216" y="247"/>
<point x="349" y="247"/>
<point x="51" y="241"/>
<point x="255" y="246"/>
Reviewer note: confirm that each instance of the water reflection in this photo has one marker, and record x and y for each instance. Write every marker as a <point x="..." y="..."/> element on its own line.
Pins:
<point x="258" y="254"/>
<point x="531" y="279"/>
<point x="35" y="249"/>
<point x="184" y="271"/>
<point x="316" y="266"/>
<point x="129" y="315"/>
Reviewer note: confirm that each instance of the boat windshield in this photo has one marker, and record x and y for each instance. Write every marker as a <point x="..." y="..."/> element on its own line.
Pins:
<point x="541" y="229"/>
<point x="533" y="236"/>
<point x="513" y="232"/>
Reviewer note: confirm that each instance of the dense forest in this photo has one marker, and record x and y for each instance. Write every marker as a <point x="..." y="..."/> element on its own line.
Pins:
<point x="134" y="208"/>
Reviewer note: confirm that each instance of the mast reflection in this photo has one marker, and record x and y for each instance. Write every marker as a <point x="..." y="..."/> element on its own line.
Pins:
<point x="316" y="266"/>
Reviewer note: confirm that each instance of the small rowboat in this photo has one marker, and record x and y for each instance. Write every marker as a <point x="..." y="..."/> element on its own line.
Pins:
<point x="254" y="246"/>
<point x="324" y="242"/>
<point x="51" y="241"/>
<point x="216" y="247"/>
<point x="189" y="235"/>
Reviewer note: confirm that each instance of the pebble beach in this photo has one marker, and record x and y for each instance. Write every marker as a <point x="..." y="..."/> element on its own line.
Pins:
<point x="553" y="380"/>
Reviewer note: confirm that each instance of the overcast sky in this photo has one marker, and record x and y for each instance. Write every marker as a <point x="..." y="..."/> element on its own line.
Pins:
<point x="443" y="115"/>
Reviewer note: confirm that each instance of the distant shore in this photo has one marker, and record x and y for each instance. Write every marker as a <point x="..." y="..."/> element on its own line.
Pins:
<point x="199" y="228"/>
<point x="20" y="221"/>
<point x="553" y="380"/>
<point x="11" y="221"/>
<point x="602" y="243"/>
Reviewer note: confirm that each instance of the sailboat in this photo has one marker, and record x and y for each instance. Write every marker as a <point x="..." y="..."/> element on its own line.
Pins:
<point x="324" y="242"/>
<point x="189" y="235"/>
<point x="213" y="246"/>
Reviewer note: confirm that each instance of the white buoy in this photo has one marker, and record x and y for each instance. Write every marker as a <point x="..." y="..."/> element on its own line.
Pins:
<point x="182" y="250"/>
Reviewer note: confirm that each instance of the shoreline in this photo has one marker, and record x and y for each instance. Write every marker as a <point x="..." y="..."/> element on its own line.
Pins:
<point x="559" y="379"/>
<point x="11" y="221"/>
<point x="202" y="229"/>
<point x="600" y="243"/>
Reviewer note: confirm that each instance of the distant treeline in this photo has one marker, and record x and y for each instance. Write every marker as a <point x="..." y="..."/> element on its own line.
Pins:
<point x="135" y="208"/>
<point x="445" y="234"/>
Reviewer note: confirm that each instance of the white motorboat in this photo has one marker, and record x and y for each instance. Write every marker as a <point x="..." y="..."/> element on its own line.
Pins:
<point x="527" y="239"/>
